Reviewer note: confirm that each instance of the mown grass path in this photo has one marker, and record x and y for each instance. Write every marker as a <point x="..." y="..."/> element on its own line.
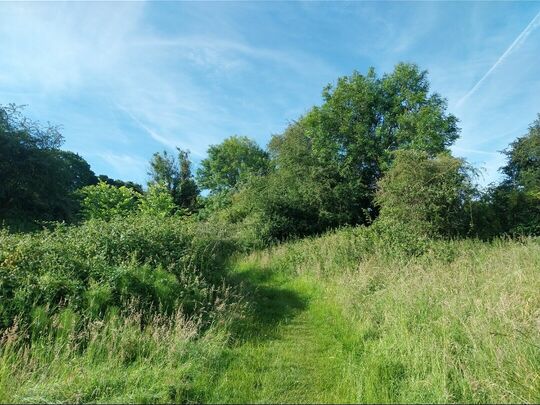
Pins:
<point x="294" y="347"/>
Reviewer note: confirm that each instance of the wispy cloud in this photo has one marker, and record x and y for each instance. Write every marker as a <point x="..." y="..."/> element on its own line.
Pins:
<point x="180" y="90"/>
<point x="159" y="138"/>
<point x="124" y="164"/>
<point x="63" y="47"/>
<point x="535" y="22"/>
<point x="230" y="54"/>
<point x="140" y="76"/>
<point x="474" y="151"/>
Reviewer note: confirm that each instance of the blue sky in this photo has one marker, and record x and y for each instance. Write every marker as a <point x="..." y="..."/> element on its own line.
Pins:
<point x="126" y="79"/>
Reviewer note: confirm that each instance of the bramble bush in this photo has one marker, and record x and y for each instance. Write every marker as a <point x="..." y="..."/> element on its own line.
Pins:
<point x="426" y="195"/>
<point x="154" y="264"/>
<point x="104" y="201"/>
<point x="157" y="201"/>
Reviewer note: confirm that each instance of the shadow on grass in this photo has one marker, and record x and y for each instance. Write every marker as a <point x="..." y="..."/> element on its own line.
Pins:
<point x="269" y="304"/>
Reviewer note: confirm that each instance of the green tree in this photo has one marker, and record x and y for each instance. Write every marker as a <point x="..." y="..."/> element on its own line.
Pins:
<point x="516" y="201"/>
<point x="364" y="119"/>
<point x="175" y="174"/>
<point x="233" y="160"/>
<point x="523" y="168"/>
<point x="187" y="190"/>
<point x="430" y="195"/>
<point x="37" y="179"/>
<point x="119" y="183"/>
<point x="103" y="201"/>
<point x="338" y="151"/>
<point x="164" y="170"/>
<point x="157" y="201"/>
<point x="291" y="200"/>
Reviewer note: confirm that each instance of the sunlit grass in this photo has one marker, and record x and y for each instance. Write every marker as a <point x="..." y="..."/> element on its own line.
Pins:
<point x="460" y="324"/>
<point x="325" y="323"/>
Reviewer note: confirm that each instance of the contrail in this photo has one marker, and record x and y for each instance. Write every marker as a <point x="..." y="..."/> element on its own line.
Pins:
<point x="518" y="41"/>
<point x="153" y="134"/>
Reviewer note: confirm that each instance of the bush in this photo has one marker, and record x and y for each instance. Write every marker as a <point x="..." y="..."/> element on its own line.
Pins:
<point x="157" y="201"/>
<point x="505" y="210"/>
<point x="155" y="264"/>
<point x="428" y="196"/>
<point x="103" y="201"/>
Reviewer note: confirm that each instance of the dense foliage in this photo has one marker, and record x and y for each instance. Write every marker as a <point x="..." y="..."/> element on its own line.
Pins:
<point x="513" y="207"/>
<point x="154" y="263"/>
<point x="119" y="183"/>
<point x="175" y="174"/>
<point x="230" y="162"/>
<point x="103" y="201"/>
<point x="327" y="164"/>
<point x="431" y="196"/>
<point x="157" y="201"/>
<point x="322" y="172"/>
<point x="519" y="195"/>
<point x="523" y="167"/>
<point x="37" y="179"/>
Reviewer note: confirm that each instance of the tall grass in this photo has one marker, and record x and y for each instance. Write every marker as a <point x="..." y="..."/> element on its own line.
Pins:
<point x="127" y="310"/>
<point x="458" y="323"/>
<point x="146" y="311"/>
<point x="111" y="360"/>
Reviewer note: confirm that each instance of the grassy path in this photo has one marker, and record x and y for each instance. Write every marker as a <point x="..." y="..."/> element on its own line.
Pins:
<point x="295" y="346"/>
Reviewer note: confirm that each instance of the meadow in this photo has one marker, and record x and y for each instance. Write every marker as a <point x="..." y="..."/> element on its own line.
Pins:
<point x="344" y="317"/>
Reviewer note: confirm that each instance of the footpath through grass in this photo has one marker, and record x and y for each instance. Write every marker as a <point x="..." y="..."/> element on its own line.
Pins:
<point x="327" y="325"/>
<point x="294" y="346"/>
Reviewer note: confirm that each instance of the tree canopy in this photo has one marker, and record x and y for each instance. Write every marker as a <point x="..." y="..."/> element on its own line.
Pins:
<point x="514" y="205"/>
<point x="233" y="160"/>
<point x="119" y="183"/>
<point x="376" y="142"/>
<point x="523" y="167"/>
<point x="431" y="194"/>
<point x="340" y="149"/>
<point x="175" y="174"/>
<point x="37" y="179"/>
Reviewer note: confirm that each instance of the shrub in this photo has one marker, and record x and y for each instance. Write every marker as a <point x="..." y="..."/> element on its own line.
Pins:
<point x="155" y="264"/>
<point x="157" y="201"/>
<point x="103" y="201"/>
<point x="427" y="195"/>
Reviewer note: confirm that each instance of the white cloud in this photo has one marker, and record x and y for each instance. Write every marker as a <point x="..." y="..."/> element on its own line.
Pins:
<point x="474" y="151"/>
<point x="224" y="54"/>
<point x="62" y="46"/>
<point x="159" y="138"/>
<point x="106" y="52"/>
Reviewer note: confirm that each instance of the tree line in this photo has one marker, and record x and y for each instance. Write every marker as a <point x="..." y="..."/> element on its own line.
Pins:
<point x="377" y="148"/>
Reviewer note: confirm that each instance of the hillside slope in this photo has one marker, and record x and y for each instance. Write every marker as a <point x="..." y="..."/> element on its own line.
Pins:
<point x="323" y="321"/>
<point x="460" y="324"/>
